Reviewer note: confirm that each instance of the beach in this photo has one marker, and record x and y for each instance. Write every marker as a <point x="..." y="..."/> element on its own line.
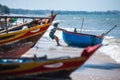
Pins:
<point x="99" y="67"/>
<point x="96" y="17"/>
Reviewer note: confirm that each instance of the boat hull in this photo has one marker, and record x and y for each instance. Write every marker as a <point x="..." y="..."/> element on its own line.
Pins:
<point x="81" y="40"/>
<point x="60" y="67"/>
<point x="16" y="43"/>
<point x="58" y="75"/>
<point x="18" y="48"/>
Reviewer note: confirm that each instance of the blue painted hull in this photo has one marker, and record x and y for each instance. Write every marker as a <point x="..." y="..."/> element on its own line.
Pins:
<point x="81" y="40"/>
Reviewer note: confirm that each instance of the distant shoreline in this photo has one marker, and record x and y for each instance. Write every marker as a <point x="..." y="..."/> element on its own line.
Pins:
<point x="62" y="12"/>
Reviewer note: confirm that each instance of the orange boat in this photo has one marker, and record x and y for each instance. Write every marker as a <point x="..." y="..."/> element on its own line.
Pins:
<point x="42" y="68"/>
<point x="17" y="42"/>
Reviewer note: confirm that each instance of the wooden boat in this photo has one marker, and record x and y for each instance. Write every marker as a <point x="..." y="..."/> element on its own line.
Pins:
<point x="81" y="40"/>
<point x="16" y="43"/>
<point x="42" y="68"/>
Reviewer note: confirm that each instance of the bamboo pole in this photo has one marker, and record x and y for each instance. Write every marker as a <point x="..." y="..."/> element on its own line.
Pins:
<point x="82" y="25"/>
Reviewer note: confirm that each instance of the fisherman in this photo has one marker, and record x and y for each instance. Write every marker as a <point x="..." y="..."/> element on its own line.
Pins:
<point x="10" y="22"/>
<point x="2" y="24"/>
<point x="52" y="33"/>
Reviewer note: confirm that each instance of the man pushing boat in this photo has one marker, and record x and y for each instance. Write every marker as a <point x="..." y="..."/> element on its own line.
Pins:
<point x="52" y="33"/>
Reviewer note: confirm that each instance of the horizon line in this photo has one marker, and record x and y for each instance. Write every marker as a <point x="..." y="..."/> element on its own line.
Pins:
<point x="67" y="10"/>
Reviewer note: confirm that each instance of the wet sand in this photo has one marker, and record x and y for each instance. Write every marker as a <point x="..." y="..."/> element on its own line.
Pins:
<point x="98" y="67"/>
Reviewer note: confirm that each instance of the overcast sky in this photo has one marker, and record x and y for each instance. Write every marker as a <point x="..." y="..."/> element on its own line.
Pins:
<point x="76" y="5"/>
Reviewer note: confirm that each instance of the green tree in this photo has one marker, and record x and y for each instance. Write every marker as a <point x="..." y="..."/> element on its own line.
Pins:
<point x="4" y="9"/>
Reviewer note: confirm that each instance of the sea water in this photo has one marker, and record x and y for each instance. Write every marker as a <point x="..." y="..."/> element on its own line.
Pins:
<point x="95" y="24"/>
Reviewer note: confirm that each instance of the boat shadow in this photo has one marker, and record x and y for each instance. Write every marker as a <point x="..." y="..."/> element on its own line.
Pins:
<point x="105" y="66"/>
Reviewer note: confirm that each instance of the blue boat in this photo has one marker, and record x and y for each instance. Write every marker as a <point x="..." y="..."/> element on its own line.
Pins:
<point x="81" y="40"/>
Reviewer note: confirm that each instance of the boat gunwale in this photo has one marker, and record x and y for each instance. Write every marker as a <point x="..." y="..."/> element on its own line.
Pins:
<point x="83" y="34"/>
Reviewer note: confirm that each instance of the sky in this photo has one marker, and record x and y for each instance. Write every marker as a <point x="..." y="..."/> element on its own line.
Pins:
<point x="71" y="5"/>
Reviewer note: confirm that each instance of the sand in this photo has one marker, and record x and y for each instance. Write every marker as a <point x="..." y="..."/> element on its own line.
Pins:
<point x="98" y="67"/>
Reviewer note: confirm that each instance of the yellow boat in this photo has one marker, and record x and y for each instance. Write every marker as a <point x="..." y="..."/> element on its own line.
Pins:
<point x="17" y="42"/>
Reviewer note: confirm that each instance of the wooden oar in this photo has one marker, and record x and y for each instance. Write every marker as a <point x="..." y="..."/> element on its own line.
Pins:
<point x="104" y="34"/>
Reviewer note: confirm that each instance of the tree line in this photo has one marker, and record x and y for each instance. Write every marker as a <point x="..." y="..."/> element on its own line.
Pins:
<point x="27" y="11"/>
<point x="4" y="9"/>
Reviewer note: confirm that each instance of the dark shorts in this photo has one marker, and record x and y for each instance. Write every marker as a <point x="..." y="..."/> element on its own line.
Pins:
<point x="52" y="36"/>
